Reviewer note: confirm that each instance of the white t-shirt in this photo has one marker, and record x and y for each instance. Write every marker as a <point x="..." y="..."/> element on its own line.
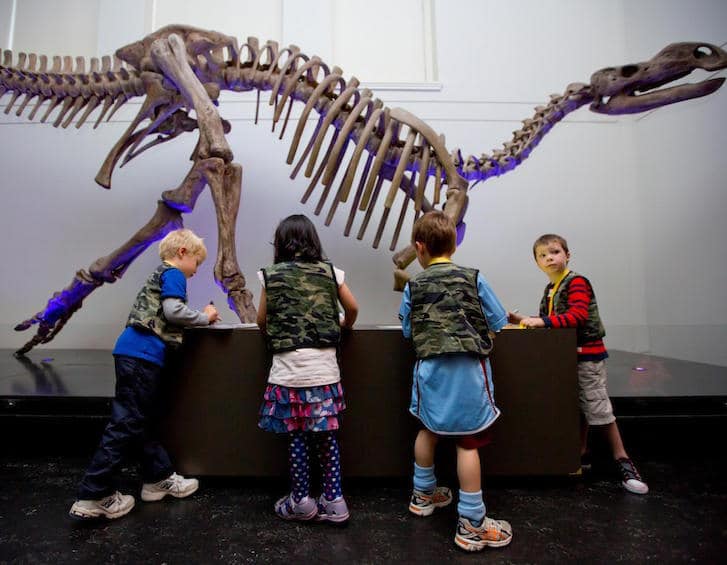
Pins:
<point x="308" y="366"/>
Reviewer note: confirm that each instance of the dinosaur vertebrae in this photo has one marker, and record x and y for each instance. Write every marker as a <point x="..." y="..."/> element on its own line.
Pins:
<point x="525" y="139"/>
<point x="401" y="148"/>
<point x="70" y="89"/>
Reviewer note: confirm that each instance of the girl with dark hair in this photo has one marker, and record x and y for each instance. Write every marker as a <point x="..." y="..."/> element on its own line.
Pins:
<point x="296" y="238"/>
<point x="299" y="313"/>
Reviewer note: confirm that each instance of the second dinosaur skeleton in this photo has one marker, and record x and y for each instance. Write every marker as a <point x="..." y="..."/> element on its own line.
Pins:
<point x="180" y="72"/>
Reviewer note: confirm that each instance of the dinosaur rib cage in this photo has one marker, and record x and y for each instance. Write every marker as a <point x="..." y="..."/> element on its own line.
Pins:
<point x="401" y="148"/>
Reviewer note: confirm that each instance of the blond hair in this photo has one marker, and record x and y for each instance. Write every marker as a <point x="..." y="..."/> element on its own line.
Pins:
<point x="177" y="239"/>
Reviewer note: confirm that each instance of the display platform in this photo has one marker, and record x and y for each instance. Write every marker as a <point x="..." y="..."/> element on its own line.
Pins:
<point x="211" y="427"/>
<point x="49" y="389"/>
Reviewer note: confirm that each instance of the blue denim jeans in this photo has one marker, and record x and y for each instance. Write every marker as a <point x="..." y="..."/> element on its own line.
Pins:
<point x="129" y="431"/>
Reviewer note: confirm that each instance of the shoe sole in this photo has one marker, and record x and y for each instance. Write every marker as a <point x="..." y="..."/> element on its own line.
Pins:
<point x="337" y="520"/>
<point x="147" y="496"/>
<point x="424" y="511"/>
<point x="296" y="517"/>
<point x="468" y="545"/>
<point x="635" y="490"/>
<point x="87" y="515"/>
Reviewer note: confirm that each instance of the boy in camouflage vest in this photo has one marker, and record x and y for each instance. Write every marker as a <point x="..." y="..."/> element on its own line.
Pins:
<point x="451" y="314"/>
<point x="569" y="302"/>
<point x="154" y="325"/>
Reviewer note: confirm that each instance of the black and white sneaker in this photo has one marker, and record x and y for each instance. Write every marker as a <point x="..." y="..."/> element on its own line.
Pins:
<point x="630" y="478"/>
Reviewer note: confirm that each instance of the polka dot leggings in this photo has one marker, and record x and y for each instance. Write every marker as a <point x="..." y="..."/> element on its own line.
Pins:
<point x="329" y="460"/>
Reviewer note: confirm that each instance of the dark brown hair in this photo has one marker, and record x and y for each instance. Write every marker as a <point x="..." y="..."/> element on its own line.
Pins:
<point x="547" y="238"/>
<point x="437" y="232"/>
<point x="296" y="238"/>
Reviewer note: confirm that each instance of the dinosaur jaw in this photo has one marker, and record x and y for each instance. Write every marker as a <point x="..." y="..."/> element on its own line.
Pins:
<point x="638" y="101"/>
<point x="638" y="87"/>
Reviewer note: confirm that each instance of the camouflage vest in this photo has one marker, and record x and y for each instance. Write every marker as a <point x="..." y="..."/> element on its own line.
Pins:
<point x="147" y="313"/>
<point x="593" y="329"/>
<point x="302" y="305"/>
<point x="446" y="314"/>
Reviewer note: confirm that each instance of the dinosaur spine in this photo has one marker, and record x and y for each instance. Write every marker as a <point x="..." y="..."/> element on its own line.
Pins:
<point x="399" y="148"/>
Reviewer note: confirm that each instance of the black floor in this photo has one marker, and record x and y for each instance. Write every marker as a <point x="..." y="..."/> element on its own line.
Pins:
<point x="588" y="520"/>
<point x="49" y="425"/>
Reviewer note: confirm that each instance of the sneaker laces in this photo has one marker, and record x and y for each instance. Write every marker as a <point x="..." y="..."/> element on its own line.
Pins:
<point x="110" y="500"/>
<point x="628" y="469"/>
<point x="172" y="483"/>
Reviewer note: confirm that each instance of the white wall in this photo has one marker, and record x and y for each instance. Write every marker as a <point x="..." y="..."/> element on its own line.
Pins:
<point x="681" y="186"/>
<point x="613" y="186"/>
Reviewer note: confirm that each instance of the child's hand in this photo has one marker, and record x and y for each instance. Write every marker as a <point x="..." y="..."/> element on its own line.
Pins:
<point x="212" y="313"/>
<point x="514" y="317"/>
<point x="532" y="322"/>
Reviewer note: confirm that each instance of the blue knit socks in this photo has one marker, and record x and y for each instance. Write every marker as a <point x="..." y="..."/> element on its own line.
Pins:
<point x="424" y="479"/>
<point x="471" y="506"/>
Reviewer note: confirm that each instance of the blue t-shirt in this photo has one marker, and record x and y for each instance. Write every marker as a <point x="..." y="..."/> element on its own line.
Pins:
<point x="142" y="344"/>
<point x="454" y="394"/>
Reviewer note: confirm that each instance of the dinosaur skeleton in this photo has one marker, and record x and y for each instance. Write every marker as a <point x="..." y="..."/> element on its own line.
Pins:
<point x="180" y="71"/>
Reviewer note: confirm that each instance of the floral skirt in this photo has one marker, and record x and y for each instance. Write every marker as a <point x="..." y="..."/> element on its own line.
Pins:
<point x="309" y="409"/>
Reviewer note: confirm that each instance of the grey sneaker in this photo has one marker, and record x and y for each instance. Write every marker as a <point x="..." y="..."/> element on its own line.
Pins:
<point x="289" y="509"/>
<point x="334" y="511"/>
<point x="424" y="503"/>
<point x="493" y="533"/>
<point x="113" y="506"/>
<point x="174" y="484"/>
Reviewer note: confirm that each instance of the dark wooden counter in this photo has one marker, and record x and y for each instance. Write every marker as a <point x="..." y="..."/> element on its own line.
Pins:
<point x="211" y="424"/>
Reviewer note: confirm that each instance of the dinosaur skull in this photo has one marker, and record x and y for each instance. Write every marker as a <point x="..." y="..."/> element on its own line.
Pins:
<point x="630" y="89"/>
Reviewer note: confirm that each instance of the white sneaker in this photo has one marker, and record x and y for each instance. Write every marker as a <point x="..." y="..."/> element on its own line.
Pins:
<point x="111" y="507"/>
<point x="174" y="484"/>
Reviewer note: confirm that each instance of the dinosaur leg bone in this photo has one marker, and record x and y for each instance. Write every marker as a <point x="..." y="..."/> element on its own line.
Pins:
<point x="225" y="182"/>
<point x="170" y="55"/>
<point x="65" y="303"/>
<point x="178" y="200"/>
<point x="184" y="197"/>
